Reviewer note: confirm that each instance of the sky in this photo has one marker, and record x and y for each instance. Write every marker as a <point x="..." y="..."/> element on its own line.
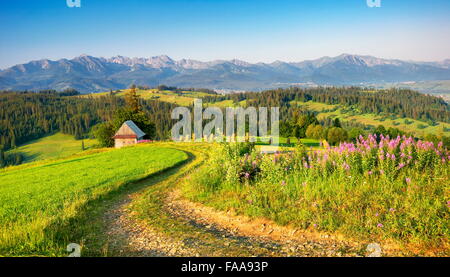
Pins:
<point x="249" y="30"/>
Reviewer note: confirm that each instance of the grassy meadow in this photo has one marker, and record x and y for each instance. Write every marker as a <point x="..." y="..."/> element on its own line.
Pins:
<point x="37" y="199"/>
<point x="184" y="98"/>
<point x="374" y="190"/>
<point x="55" y="146"/>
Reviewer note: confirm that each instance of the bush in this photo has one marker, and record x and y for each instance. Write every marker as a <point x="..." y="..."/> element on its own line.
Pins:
<point x="355" y="133"/>
<point x="336" y="135"/>
<point x="104" y="133"/>
<point x="408" y="122"/>
<point x="422" y="126"/>
<point x="315" y="132"/>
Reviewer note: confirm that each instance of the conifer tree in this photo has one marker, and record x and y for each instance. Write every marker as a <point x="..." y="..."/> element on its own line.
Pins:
<point x="132" y="100"/>
<point x="2" y="157"/>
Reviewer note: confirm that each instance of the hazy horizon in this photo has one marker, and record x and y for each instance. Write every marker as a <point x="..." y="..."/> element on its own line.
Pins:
<point x="249" y="30"/>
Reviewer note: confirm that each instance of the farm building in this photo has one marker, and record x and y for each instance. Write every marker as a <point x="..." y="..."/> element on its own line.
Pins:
<point x="128" y="134"/>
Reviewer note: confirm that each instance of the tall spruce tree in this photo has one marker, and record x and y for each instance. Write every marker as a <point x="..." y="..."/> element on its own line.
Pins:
<point x="132" y="100"/>
<point x="2" y="157"/>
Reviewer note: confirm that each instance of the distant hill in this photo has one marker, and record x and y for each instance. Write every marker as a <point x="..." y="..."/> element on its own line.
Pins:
<point x="55" y="146"/>
<point x="91" y="74"/>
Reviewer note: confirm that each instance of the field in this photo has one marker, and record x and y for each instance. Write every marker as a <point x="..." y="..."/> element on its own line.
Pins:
<point x="56" y="146"/>
<point x="184" y="98"/>
<point x="226" y="103"/>
<point x="39" y="199"/>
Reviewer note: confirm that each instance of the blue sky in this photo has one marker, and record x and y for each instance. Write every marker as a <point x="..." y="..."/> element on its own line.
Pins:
<point x="251" y="30"/>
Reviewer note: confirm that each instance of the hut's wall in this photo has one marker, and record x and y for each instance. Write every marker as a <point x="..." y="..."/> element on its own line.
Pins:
<point x="121" y="142"/>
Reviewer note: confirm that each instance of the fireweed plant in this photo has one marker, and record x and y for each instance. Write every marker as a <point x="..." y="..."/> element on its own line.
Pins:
<point x="375" y="188"/>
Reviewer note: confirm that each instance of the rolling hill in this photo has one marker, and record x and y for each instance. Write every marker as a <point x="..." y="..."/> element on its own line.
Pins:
<point x="55" y="146"/>
<point x="343" y="112"/>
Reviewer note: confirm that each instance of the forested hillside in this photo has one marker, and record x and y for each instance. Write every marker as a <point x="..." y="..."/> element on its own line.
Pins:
<point x="403" y="103"/>
<point x="25" y="116"/>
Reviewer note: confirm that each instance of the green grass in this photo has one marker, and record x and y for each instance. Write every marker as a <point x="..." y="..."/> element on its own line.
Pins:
<point x="222" y="104"/>
<point x="56" y="146"/>
<point x="38" y="198"/>
<point x="227" y="103"/>
<point x="185" y="98"/>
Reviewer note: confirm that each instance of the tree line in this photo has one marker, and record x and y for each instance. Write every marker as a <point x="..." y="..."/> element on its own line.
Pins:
<point x="25" y="116"/>
<point x="401" y="102"/>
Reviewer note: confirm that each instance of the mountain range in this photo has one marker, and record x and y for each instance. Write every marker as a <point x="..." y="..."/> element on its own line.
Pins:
<point x="93" y="74"/>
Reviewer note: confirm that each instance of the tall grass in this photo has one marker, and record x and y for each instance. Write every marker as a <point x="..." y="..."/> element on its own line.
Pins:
<point x="36" y="200"/>
<point x="375" y="188"/>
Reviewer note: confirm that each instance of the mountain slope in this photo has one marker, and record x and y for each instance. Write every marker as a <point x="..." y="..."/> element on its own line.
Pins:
<point x="91" y="74"/>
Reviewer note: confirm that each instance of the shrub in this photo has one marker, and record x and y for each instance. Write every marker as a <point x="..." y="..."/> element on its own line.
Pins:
<point x="422" y="126"/>
<point x="408" y="122"/>
<point x="336" y="135"/>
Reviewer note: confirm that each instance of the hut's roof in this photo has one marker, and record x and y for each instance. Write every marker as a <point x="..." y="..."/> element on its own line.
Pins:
<point x="122" y="132"/>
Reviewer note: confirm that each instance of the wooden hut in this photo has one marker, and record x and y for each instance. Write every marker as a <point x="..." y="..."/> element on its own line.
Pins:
<point x="128" y="134"/>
